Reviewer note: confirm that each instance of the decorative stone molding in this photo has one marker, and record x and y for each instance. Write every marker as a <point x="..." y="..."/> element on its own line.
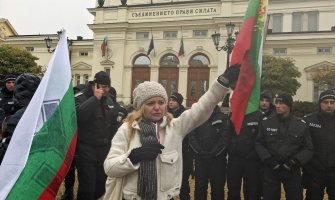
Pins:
<point x="107" y="62"/>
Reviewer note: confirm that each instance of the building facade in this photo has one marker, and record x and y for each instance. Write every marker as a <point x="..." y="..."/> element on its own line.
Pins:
<point x="123" y="34"/>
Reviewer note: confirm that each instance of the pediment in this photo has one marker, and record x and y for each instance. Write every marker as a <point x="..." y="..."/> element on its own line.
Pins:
<point x="319" y="66"/>
<point x="82" y="66"/>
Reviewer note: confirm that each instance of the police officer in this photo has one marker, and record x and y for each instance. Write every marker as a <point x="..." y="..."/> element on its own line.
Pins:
<point x="6" y="95"/>
<point x="319" y="173"/>
<point x="176" y="108"/>
<point x="243" y="162"/>
<point x="209" y="145"/>
<point x="266" y="105"/>
<point x="284" y="144"/>
<point x="96" y="118"/>
<point x="25" y="87"/>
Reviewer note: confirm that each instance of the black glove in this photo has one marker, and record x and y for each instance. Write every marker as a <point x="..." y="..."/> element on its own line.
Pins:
<point x="272" y="163"/>
<point x="147" y="152"/>
<point x="291" y="164"/>
<point x="230" y="75"/>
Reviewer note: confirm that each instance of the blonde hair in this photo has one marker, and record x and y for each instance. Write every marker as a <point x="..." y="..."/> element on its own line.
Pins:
<point x="138" y="115"/>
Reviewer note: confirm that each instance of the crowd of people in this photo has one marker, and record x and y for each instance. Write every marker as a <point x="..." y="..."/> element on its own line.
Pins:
<point x="150" y="152"/>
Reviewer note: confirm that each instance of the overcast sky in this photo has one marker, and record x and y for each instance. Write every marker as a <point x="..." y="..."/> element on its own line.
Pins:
<point x="29" y="17"/>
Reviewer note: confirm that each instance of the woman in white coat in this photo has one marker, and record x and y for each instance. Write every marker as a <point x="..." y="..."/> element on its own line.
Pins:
<point x="144" y="162"/>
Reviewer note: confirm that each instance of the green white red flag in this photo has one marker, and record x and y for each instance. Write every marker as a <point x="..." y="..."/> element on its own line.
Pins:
<point x="104" y="47"/>
<point x="43" y="143"/>
<point x="248" y="53"/>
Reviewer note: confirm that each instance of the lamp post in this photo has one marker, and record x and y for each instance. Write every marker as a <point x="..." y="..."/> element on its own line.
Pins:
<point x="48" y="42"/>
<point x="229" y="45"/>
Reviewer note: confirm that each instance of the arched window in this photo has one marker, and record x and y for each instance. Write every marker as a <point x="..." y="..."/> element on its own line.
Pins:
<point x="142" y="60"/>
<point x="199" y="60"/>
<point x="169" y="59"/>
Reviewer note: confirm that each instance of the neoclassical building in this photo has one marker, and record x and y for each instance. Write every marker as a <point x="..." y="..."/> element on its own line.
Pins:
<point x="302" y="30"/>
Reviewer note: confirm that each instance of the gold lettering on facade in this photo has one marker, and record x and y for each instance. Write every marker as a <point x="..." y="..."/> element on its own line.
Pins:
<point x="173" y="13"/>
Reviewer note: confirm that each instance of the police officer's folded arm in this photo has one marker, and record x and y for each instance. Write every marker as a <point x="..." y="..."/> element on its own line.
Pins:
<point x="86" y="108"/>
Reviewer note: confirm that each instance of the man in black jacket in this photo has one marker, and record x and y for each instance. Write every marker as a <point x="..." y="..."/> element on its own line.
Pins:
<point x="284" y="145"/>
<point x="6" y="95"/>
<point x="25" y="87"/>
<point x="96" y="116"/>
<point x="209" y="146"/>
<point x="319" y="173"/>
<point x="176" y="109"/>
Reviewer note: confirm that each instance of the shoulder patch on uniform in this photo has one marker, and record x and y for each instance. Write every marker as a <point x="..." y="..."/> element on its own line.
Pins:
<point x="78" y="94"/>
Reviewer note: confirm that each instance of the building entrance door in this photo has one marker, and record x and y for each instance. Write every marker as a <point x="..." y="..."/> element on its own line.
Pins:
<point x="197" y="84"/>
<point x="168" y="77"/>
<point x="140" y="74"/>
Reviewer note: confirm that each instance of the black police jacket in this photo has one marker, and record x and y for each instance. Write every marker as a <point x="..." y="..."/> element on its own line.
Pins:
<point x="322" y="130"/>
<point x="7" y="101"/>
<point x="97" y="123"/>
<point x="244" y="143"/>
<point x="209" y="136"/>
<point x="284" y="139"/>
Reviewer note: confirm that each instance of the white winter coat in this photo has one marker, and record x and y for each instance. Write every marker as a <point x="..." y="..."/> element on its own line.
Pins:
<point x="169" y="163"/>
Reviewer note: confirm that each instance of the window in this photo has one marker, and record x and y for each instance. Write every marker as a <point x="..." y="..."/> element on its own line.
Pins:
<point x="142" y="60"/>
<point x="324" y="50"/>
<point x="30" y="49"/>
<point x="199" y="60"/>
<point x="169" y="59"/>
<point x="313" y="18"/>
<point x="108" y="71"/>
<point x="297" y="22"/>
<point x="279" y="51"/>
<point x="277" y="23"/>
<point x="77" y="79"/>
<point x="83" y="53"/>
<point x="170" y="34"/>
<point x="142" y="35"/>
<point x="200" y="33"/>
<point x="85" y="79"/>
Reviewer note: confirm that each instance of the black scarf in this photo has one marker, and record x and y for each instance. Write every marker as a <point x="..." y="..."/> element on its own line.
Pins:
<point x="147" y="176"/>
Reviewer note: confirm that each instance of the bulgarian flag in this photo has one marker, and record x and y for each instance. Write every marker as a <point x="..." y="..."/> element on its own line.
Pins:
<point x="248" y="53"/>
<point x="181" y="49"/>
<point x="43" y="143"/>
<point x="104" y="47"/>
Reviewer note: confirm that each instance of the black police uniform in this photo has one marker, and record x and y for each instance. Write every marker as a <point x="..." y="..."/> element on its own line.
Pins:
<point x="7" y="101"/>
<point x="96" y="127"/>
<point x="209" y="145"/>
<point x="319" y="172"/>
<point x="243" y="161"/>
<point x="187" y="160"/>
<point x="283" y="141"/>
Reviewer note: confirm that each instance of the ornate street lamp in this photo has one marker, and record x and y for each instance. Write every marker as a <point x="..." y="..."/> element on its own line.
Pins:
<point x="229" y="45"/>
<point x="48" y="42"/>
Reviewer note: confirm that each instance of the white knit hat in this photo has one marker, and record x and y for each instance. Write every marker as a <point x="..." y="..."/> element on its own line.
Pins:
<point x="147" y="90"/>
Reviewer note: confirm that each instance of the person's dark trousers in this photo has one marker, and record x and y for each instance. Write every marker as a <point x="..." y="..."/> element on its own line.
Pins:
<point x="317" y="182"/>
<point x="215" y="173"/>
<point x="291" y="181"/>
<point x="187" y="170"/>
<point x="248" y="170"/>
<point x="69" y="180"/>
<point x="91" y="178"/>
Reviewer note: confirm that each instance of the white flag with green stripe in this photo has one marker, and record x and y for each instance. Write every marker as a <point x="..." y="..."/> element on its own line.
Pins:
<point x="43" y="143"/>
